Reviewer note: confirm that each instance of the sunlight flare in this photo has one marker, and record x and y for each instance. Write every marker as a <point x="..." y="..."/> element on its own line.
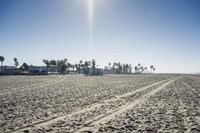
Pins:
<point x="90" y="14"/>
<point x="90" y="10"/>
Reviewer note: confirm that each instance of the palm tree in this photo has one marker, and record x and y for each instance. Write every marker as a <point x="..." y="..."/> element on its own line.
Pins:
<point x="65" y="64"/>
<point x="77" y="67"/>
<point x="80" y="66"/>
<point x="142" y="69"/>
<point x="127" y="67"/>
<point x="93" y="63"/>
<point x="59" y="65"/>
<point x="65" y="60"/>
<point x="16" y="62"/>
<point x="123" y="68"/>
<point x="62" y="65"/>
<point x="151" y="67"/>
<point x="113" y="69"/>
<point x="89" y="63"/>
<point x="24" y="67"/>
<point x="154" y="69"/>
<point x="136" y="69"/>
<point x="80" y="62"/>
<point x="86" y="64"/>
<point x="130" y="68"/>
<point x="119" y="67"/>
<point x="2" y="60"/>
<point x="53" y="62"/>
<point x="109" y="65"/>
<point x="68" y="66"/>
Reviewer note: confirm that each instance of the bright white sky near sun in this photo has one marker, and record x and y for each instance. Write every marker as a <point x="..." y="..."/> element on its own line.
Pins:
<point x="163" y="33"/>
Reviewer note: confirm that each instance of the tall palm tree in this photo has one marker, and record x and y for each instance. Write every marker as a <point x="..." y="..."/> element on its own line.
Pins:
<point x="24" y="67"/>
<point x="86" y="64"/>
<point x="65" y="64"/>
<point x="93" y="63"/>
<point x="68" y="66"/>
<point x="114" y="64"/>
<point x="109" y="65"/>
<point x="113" y="69"/>
<point x="127" y="68"/>
<point x="151" y="67"/>
<point x="142" y="69"/>
<point x="123" y="68"/>
<point x="89" y="63"/>
<point x="130" y="68"/>
<point x="154" y="69"/>
<point x="16" y="62"/>
<point x="2" y="60"/>
<point x="53" y="62"/>
<point x="65" y="60"/>
<point x="136" y="69"/>
<point x="77" y="68"/>
<point x="59" y="65"/>
<point x="80" y="62"/>
<point x="119" y="67"/>
<point x="80" y="66"/>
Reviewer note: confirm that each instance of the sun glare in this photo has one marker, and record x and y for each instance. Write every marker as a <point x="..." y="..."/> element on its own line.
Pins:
<point x="90" y="10"/>
<point x="90" y="14"/>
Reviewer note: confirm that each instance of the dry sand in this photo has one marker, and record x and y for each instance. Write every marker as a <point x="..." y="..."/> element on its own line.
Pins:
<point x="139" y="103"/>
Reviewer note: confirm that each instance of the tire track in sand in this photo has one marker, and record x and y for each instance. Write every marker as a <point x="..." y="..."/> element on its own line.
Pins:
<point x="181" y="108"/>
<point x="95" y="124"/>
<point x="95" y="108"/>
<point x="196" y="118"/>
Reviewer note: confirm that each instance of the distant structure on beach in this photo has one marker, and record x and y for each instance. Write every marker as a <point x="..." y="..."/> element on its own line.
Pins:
<point x="94" y="71"/>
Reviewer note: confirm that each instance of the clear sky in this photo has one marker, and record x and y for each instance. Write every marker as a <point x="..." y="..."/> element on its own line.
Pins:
<point x="165" y="33"/>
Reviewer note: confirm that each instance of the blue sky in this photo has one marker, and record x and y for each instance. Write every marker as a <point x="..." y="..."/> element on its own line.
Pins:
<point x="165" y="33"/>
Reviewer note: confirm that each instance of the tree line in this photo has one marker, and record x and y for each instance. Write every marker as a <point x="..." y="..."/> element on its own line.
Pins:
<point x="64" y="67"/>
<point x="119" y="68"/>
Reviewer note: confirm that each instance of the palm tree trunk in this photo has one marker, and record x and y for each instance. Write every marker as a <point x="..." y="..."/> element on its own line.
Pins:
<point x="2" y="66"/>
